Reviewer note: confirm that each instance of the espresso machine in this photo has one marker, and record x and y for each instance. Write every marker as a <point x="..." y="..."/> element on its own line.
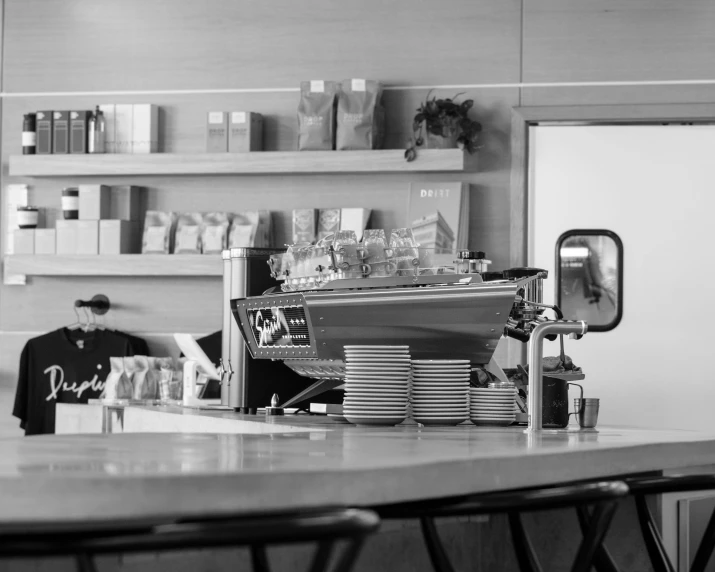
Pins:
<point x="248" y="383"/>
<point x="441" y="308"/>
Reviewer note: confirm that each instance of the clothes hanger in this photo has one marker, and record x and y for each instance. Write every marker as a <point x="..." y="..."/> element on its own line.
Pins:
<point x="78" y="323"/>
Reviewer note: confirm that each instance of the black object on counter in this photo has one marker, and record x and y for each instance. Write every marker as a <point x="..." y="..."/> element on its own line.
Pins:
<point x="70" y="203"/>
<point x="491" y="276"/>
<point x="29" y="134"/>
<point x="523" y="272"/>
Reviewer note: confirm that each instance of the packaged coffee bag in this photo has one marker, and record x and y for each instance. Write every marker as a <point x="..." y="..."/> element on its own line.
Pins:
<point x="142" y="382"/>
<point x="244" y="228"/>
<point x="157" y="232"/>
<point x="214" y="234"/>
<point x="316" y="116"/>
<point x="116" y="365"/>
<point x="360" y="116"/>
<point x="188" y="233"/>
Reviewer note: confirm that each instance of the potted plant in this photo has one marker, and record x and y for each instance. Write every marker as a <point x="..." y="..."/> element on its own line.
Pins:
<point x="447" y="125"/>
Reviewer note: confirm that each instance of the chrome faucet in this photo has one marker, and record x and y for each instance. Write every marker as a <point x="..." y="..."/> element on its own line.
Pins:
<point x="575" y="330"/>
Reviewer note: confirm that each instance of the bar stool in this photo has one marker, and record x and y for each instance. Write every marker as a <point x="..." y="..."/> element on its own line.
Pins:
<point x="640" y="488"/>
<point x="603" y="496"/>
<point x="83" y="541"/>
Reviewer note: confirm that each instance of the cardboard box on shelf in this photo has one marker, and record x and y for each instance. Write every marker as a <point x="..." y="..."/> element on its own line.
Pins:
<point x="24" y="241"/>
<point x="45" y="241"/>
<point x="94" y="202"/>
<point x="60" y="132"/>
<point x="123" y="126"/>
<point x="78" y="131"/>
<point x="328" y="222"/>
<point x="303" y="225"/>
<point x="145" y="130"/>
<point x="87" y="237"/>
<point x="67" y="233"/>
<point x="45" y="128"/>
<point x="110" y="144"/>
<point x="355" y="219"/>
<point x="125" y="202"/>
<point x="118" y="237"/>
<point x="245" y="132"/>
<point x="217" y="132"/>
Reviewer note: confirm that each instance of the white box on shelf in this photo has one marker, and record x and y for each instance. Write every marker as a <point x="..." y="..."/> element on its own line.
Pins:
<point x="67" y="233"/>
<point x="125" y="202"/>
<point x="24" y="239"/>
<point x="118" y="237"/>
<point x="110" y="144"/>
<point x="354" y="219"/>
<point x="45" y="241"/>
<point x="123" y="126"/>
<point x="94" y="202"/>
<point x="145" y="130"/>
<point x="87" y="237"/>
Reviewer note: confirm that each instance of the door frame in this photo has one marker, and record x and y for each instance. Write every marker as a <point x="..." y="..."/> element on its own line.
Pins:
<point x="524" y="117"/>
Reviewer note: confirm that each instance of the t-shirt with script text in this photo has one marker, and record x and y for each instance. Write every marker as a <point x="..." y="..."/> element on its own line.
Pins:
<point x="63" y="366"/>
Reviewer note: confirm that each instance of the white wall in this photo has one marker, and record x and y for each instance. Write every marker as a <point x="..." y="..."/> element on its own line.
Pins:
<point x="655" y="187"/>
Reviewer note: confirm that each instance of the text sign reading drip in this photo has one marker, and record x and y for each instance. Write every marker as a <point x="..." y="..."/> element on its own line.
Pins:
<point x="279" y="327"/>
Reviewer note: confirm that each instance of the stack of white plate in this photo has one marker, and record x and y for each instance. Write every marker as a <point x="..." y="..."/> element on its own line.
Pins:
<point x="439" y="391"/>
<point x="488" y="406"/>
<point x="376" y="384"/>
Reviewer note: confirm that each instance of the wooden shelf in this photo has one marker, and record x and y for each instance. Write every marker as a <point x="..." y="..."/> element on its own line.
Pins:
<point x="262" y="163"/>
<point x="114" y="265"/>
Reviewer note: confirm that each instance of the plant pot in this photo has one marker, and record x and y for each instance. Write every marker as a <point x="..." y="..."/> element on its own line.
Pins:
<point x="448" y="139"/>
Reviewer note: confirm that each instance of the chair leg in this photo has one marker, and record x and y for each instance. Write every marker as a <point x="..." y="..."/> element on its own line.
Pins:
<point x="525" y="554"/>
<point x="602" y="561"/>
<point x="438" y="556"/>
<point x="349" y="555"/>
<point x="654" y="543"/>
<point x="259" y="559"/>
<point x="322" y="557"/>
<point x="85" y="563"/>
<point x="593" y="538"/>
<point x="705" y="548"/>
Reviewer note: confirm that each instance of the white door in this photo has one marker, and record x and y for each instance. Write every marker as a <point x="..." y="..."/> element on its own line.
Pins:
<point x="654" y="186"/>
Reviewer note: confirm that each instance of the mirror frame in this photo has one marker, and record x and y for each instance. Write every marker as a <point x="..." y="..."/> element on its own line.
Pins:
<point x="619" y="297"/>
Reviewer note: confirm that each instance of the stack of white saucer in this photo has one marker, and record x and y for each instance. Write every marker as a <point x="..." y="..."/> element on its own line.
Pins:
<point x="489" y="406"/>
<point x="376" y="384"/>
<point x="439" y="391"/>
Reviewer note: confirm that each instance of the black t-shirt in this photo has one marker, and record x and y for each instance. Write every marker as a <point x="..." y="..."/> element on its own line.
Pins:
<point x="64" y="366"/>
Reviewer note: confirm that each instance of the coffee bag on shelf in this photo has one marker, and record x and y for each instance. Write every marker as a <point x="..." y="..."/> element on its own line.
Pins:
<point x="188" y="233"/>
<point x="243" y="229"/>
<point x="214" y="234"/>
<point x="316" y="115"/>
<point x="360" y="117"/>
<point x="157" y="232"/>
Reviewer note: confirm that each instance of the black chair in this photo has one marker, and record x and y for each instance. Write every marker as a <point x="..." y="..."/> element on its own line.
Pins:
<point x="83" y="541"/>
<point x="642" y="487"/>
<point x="602" y="496"/>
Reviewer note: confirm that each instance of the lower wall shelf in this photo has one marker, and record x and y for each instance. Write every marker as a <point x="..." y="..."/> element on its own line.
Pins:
<point x="114" y="265"/>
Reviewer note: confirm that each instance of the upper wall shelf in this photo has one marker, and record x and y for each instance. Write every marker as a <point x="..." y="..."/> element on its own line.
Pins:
<point x="260" y="163"/>
<point x="114" y="265"/>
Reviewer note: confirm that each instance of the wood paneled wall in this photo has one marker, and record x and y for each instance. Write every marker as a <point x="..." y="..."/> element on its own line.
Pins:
<point x="162" y="45"/>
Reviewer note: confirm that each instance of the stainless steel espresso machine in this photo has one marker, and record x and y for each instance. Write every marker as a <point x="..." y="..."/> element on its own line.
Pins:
<point x="437" y="303"/>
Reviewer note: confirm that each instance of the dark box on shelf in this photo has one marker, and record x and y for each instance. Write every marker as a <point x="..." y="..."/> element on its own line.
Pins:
<point x="44" y="129"/>
<point x="79" y="121"/>
<point x="61" y="132"/>
<point x="245" y="132"/>
<point x="125" y="202"/>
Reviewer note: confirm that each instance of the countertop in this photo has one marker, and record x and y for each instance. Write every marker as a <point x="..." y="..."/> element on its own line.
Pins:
<point x="116" y="476"/>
